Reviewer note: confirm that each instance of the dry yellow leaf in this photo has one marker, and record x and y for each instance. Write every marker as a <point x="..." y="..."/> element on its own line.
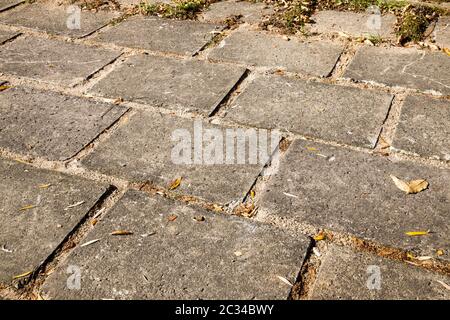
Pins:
<point x="320" y="236"/>
<point x="44" y="186"/>
<point x="22" y="275"/>
<point x="447" y="51"/>
<point x="4" y="87"/>
<point x="311" y="149"/>
<point x="175" y="183"/>
<point x="409" y="255"/>
<point x="94" y="221"/>
<point x="252" y="194"/>
<point x="417" y="233"/>
<point x="411" y="187"/>
<point x="31" y="206"/>
<point x="121" y="233"/>
<point x="440" y="252"/>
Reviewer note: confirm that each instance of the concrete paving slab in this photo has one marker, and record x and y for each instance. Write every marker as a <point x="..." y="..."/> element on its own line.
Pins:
<point x="337" y="113"/>
<point x="7" y="35"/>
<point x="7" y="4"/>
<point x="155" y="34"/>
<point x="404" y="67"/>
<point x="352" y="192"/>
<point x="353" y="24"/>
<point x="188" y="85"/>
<point x="54" y="19"/>
<point x="423" y="127"/>
<point x="30" y="236"/>
<point x="222" y="257"/>
<point x="348" y="275"/>
<point x="249" y="12"/>
<point x="52" y="61"/>
<point x="262" y="49"/>
<point x="51" y="125"/>
<point x="142" y="150"/>
<point x="442" y="32"/>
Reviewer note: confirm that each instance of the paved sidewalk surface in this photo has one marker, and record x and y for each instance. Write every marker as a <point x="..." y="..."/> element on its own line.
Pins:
<point x="120" y="178"/>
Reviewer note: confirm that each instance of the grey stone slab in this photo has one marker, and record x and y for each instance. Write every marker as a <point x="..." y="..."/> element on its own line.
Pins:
<point x="222" y="257"/>
<point x="33" y="234"/>
<point x="352" y="192"/>
<point x="261" y="49"/>
<point x="249" y="12"/>
<point x="155" y="34"/>
<point x="330" y="112"/>
<point x="354" y="24"/>
<point x="424" y="127"/>
<point x="7" y="35"/>
<point x="49" y="124"/>
<point x="347" y="275"/>
<point x="442" y="32"/>
<point x="404" y="67"/>
<point x="188" y="85"/>
<point x="7" y="4"/>
<point x="52" y="61"/>
<point x="142" y="150"/>
<point x="55" y="19"/>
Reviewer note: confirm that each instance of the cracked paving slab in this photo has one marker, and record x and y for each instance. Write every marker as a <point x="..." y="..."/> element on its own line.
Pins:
<point x="423" y="127"/>
<point x="54" y="19"/>
<point x="147" y="148"/>
<point x="347" y="115"/>
<point x="52" y="61"/>
<point x="6" y="35"/>
<point x="155" y="34"/>
<point x="51" y="125"/>
<point x="7" y="4"/>
<point x="352" y="192"/>
<point x="183" y="85"/>
<point x="28" y="237"/>
<point x="221" y="257"/>
<point x="404" y="67"/>
<point x="348" y="275"/>
<point x="262" y="49"/>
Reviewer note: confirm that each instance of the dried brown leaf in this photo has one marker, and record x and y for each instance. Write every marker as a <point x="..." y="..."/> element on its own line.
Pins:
<point x="172" y="217"/>
<point x="411" y="187"/>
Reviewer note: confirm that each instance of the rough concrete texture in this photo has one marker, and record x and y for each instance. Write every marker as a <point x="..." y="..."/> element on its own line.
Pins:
<point x="337" y="113"/>
<point x="49" y="124"/>
<point x="262" y="49"/>
<point x="347" y="275"/>
<point x="142" y="150"/>
<point x="404" y="67"/>
<point x="423" y="127"/>
<point x="222" y="257"/>
<point x="352" y="192"/>
<point x="28" y="237"/>
<point x="7" y="35"/>
<point x="353" y="24"/>
<point x="155" y="34"/>
<point x="52" y="61"/>
<point x="247" y="11"/>
<point x="184" y="85"/>
<point x="7" y="4"/>
<point x="54" y="19"/>
<point x="441" y="32"/>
